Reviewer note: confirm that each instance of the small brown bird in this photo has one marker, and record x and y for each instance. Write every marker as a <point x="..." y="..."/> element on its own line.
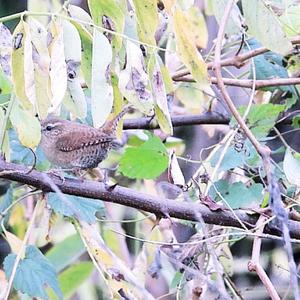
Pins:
<point x="72" y="145"/>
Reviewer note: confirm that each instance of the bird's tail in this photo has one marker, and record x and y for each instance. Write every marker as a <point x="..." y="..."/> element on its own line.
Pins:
<point x="110" y="127"/>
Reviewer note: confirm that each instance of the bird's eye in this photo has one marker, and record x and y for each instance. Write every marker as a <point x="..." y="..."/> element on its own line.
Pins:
<point x="49" y="128"/>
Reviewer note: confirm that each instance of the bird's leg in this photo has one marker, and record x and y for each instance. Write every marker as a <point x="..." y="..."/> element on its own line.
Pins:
<point x="57" y="173"/>
<point x="78" y="172"/>
<point x="102" y="176"/>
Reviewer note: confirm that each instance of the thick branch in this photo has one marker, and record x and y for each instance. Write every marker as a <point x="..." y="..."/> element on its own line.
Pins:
<point x="180" y="120"/>
<point x="128" y="197"/>
<point x="207" y="118"/>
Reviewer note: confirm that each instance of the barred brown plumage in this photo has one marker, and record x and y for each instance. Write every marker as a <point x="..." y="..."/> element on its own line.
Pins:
<point x="69" y="144"/>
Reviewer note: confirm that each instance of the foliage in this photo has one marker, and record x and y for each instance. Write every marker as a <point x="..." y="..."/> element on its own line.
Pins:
<point x="145" y="161"/>
<point x="86" y="66"/>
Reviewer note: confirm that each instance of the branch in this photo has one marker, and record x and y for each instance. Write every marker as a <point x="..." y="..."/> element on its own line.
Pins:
<point x="248" y="83"/>
<point x="180" y="120"/>
<point x="207" y="118"/>
<point x="264" y="152"/>
<point x="128" y="197"/>
<point x="255" y="266"/>
<point x="237" y="61"/>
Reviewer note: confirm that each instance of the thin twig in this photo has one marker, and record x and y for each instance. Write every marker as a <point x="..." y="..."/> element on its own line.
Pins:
<point x="254" y="264"/>
<point x="248" y="83"/>
<point x="237" y="61"/>
<point x="21" y="250"/>
<point x="263" y="151"/>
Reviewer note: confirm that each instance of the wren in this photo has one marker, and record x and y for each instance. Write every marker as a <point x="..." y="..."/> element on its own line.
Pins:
<point x="71" y="145"/>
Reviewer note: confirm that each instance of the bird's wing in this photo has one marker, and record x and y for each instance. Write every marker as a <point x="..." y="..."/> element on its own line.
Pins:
<point x="77" y="140"/>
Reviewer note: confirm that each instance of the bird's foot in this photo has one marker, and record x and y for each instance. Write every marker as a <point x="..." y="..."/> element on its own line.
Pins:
<point x="57" y="173"/>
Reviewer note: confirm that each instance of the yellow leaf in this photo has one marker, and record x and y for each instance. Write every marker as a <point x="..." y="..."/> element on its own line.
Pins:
<point x="134" y="81"/>
<point x="198" y="26"/>
<point x="187" y="49"/>
<point x="118" y="101"/>
<point x="41" y="61"/>
<point x="194" y="99"/>
<point x="18" y="221"/>
<point x="14" y="242"/>
<point x="58" y="69"/>
<point x="159" y="95"/>
<point x="109" y="14"/>
<point x="27" y="126"/>
<point x="168" y="4"/>
<point x="147" y="19"/>
<point x="22" y="66"/>
<point x="101" y="90"/>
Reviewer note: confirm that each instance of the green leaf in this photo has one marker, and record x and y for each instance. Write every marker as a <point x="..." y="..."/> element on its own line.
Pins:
<point x="296" y="122"/>
<point x="233" y="25"/>
<point x="234" y="158"/>
<point x="65" y="252"/>
<point x="6" y="199"/>
<point x="187" y="49"/>
<point x="113" y="10"/>
<point x="231" y="160"/>
<point x="5" y="85"/>
<point x="101" y="90"/>
<point x="291" y="166"/>
<point x="22" y="155"/>
<point x="147" y="161"/>
<point x="78" y="207"/>
<point x="27" y="126"/>
<point x="87" y="50"/>
<point x="177" y="279"/>
<point x="262" y="118"/>
<point x="270" y="66"/>
<point x="71" y="278"/>
<point x="33" y="273"/>
<point x="147" y="19"/>
<point x="264" y="25"/>
<point x="290" y="20"/>
<point x="237" y="195"/>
